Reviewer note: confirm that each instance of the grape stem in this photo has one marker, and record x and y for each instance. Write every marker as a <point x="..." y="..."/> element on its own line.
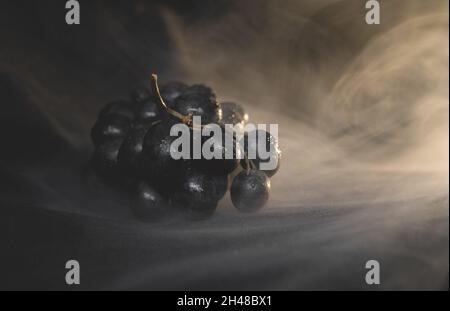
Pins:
<point x="155" y="88"/>
<point x="187" y="119"/>
<point x="247" y="162"/>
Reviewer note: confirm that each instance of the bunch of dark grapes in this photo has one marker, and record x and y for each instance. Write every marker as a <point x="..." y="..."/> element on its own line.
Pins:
<point x="133" y="151"/>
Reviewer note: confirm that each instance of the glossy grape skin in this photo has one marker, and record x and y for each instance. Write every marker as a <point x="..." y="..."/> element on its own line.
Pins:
<point x="129" y="156"/>
<point x="121" y="107"/>
<point x="250" y="191"/>
<point x="222" y="166"/>
<point x="105" y="159"/>
<point x="110" y="127"/>
<point x="147" y="111"/>
<point x="252" y="144"/>
<point x="197" y="195"/>
<point x="147" y="204"/>
<point x="233" y="113"/>
<point x="170" y="91"/>
<point x="199" y="105"/>
<point x="157" y="159"/>
<point x="200" y="89"/>
<point x="199" y="100"/>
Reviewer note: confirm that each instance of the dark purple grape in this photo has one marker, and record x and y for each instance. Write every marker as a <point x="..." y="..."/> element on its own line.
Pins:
<point x="250" y="143"/>
<point x="171" y="91"/>
<point x="110" y="127"/>
<point x="129" y="156"/>
<point x="121" y="107"/>
<point x="233" y="113"/>
<point x="250" y="190"/>
<point x="197" y="196"/>
<point x="199" y="105"/>
<point x="222" y="165"/>
<point x="105" y="160"/>
<point x="157" y="160"/>
<point x="147" y="204"/>
<point x="200" y="89"/>
<point x="199" y="100"/>
<point x="147" y="111"/>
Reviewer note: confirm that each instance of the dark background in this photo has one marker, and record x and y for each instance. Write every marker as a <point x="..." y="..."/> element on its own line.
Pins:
<point x="330" y="212"/>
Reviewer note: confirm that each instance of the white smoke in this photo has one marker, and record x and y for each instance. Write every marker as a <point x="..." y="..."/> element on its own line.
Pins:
<point x="351" y="103"/>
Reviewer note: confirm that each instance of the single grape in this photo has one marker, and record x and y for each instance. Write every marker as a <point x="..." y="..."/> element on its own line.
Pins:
<point x="110" y="126"/>
<point x="105" y="159"/>
<point x="157" y="160"/>
<point x="146" y="203"/>
<point x="129" y="156"/>
<point x="199" y="105"/>
<point x="147" y="111"/>
<point x="233" y="113"/>
<point x="120" y="107"/>
<point x="200" y="89"/>
<point x="197" y="196"/>
<point x="250" y="143"/>
<point x="250" y="190"/>
<point x="229" y="157"/>
<point x="171" y="91"/>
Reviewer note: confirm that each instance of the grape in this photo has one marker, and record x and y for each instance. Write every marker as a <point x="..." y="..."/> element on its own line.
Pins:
<point x="200" y="89"/>
<point x="110" y="126"/>
<point x="171" y="91"/>
<point x="129" y="156"/>
<point x="147" y="204"/>
<point x="105" y="159"/>
<point x="199" y="105"/>
<point x="233" y="113"/>
<point x="221" y="166"/>
<point x="250" y="143"/>
<point x="121" y="107"/>
<point x="147" y="111"/>
<point x="250" y="190"/>
<point x="197" y="196"/>
<point x="156" y="157"/>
